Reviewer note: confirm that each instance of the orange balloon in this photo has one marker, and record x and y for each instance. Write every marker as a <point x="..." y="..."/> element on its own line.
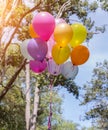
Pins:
<point x="32" y="33"/>
<point x="79" y="55"/>
<point x="60" y="54"/>
<point x="63" y="34"/>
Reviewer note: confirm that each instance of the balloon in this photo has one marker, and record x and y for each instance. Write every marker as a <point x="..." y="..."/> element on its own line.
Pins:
<point x="24" y="51"/>
<point x="38" y="66"/>
<point x="60" y="54"/>
<point x="79" y="55"/>
<point x="53" y="68"/>
<point x="69" y="71"/>
<point x="44" y="24"/>
<point x="32" y="33"/>
<point x="59" y="21"/>
<point x="79" y="34"/>
<point x="50" y="45"/>
<point x="37" y="48"/>
<point x="63" y="33"/>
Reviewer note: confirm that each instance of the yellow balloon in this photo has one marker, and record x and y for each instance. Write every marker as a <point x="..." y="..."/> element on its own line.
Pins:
<point x="79" y="34"/>
<point x="63" y="34"/>
<point x="32" y="33"/>
<point x="60" y="54"/>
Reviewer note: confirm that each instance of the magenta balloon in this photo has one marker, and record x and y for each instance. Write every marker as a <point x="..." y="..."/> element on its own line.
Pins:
<point x="37" y="48"/>
<point x="53" y="68"/>
<point x="59" y="20"/>
<point x="38" y="66"/>
<point x="50" y="45"/>
<point x="44" y="24"/>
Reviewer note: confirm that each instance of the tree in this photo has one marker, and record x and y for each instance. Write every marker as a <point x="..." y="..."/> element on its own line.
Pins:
<point x="42" y="84"/>
<point x="37" y="82"/>
<point x="66" y="125"/>
<point x="12" y="106"/>
<point x="90" y="128"/>
<point x="96" y="95"/>
<point x="12" y="110"/>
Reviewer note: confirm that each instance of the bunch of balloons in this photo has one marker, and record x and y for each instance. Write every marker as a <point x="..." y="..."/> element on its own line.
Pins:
<point x="52" y="43"/>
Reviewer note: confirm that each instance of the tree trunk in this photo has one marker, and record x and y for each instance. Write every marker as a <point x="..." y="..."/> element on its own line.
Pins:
<point x="35" y="110"/>
<point x="11" y="81"/>
<point x="27" y="109"/>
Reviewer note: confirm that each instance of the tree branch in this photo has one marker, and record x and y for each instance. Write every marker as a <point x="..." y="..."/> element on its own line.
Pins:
<point x="31" y="10"/>
<point x="35" y="109"/>
<point x="9" y="84"/>
<point x="28" y="91"/>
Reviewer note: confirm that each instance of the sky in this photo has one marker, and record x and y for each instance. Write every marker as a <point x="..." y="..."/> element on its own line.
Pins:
<point x="98" y="47"/>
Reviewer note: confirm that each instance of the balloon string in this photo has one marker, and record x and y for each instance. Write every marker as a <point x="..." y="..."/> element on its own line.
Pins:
<point x="50" y="112"/>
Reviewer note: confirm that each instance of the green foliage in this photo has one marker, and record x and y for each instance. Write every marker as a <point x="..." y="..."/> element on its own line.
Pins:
<point x="104" y="4"/>
<point x="66" y="125"/>
<point x="14" y="101"/>
<point x="12" y="110"/>
<point x="57" y="82"/>
<point x="44" y="104"/>
<point x="96" y="94"/>
<point x="62" y="125"/>
<point x="13" y="55"/>
<point x="91" y="128"/>
<point x="43" y="81"/>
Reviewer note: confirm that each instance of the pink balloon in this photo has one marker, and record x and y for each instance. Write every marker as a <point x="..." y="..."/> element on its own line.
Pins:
<point x="37" y="66"/>
<point x="50" y="45"/>
<point x="37" y="48"/>
<point x="53" y="68"/>
<point x="59" y="20"/>
<point x="44" y="24"/>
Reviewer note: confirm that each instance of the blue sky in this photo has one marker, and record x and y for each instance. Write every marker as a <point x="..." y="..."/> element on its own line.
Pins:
<point x="98" y="47"/>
